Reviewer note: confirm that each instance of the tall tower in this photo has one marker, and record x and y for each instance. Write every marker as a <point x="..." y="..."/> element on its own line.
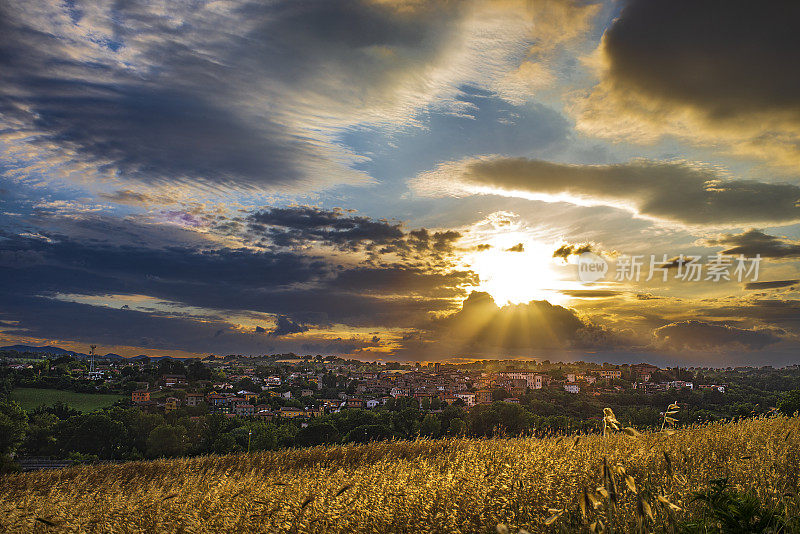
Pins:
<point x="91" y="360"/>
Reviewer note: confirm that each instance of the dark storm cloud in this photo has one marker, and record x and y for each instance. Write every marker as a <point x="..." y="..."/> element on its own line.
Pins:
<point x="699" y="335"/>
<point x="780" y="313"/>
<point x="719" y="73"/>
<point x="303" y="290"/>
<point x="301" y="225"/>
<point x="83" y="323"/>
<point x="726" y="59"/>
<point x="285" y="326"/>
<point x="676" y="192"/>
<point x="773" y="284"/>
<point x="53" y="319"/>
<point x="752" y="242"/>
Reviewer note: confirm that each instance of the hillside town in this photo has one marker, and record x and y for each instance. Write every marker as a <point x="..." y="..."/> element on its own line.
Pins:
<point x="64" y="407"/>
<point x="287" y="386"/>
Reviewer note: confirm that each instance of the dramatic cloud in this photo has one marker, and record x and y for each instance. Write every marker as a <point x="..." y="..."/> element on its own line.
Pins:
<point x="699" y="335"/>
<point x="249" y="94"/>
<point x="754" y="242"/>
<point x="227" y="288"/>
<point x="299" y="226"/>
<point x="481" y="325"/>
<point x="285" y="326"/>
<point x="567" y="250"/>
<point x="676" y="192"/>
<point x="778" y="313"/>
<point x="702" y="70"/>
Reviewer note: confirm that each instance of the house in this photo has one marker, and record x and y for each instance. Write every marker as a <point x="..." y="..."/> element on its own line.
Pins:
<point x="355" y="403"/>
<point x="572" y="388"/>
<point x="680" y="384"/>
<point x="642" y="369"/>
<point x="174" y="381"/>
<point x="291" y="412"/>
<point x="400" y="392"/>
<point x="512" y="400"/>
<point x="609" y="374"/>
<point x="651" y="387"/>
<point x="194" y="399"/>
<point x="372" y="403"/>
<point x="244" y="410"/>
<point x="315" y="411"/>
<point x="215" y="399"/>
<point x="171" y="404"/>
<point x="236" y="401"/>
<point x="532" y="380"/>
<point x="286" y="394"/>
<point x="468" y="398"/>
<point x="571" y="377"/>
<point x="718" y="387"/>
<point x="140" y="395"/>
<point x="306" y="393"/>
<point x="250" y="397"/>
<point x="483" y="396"/>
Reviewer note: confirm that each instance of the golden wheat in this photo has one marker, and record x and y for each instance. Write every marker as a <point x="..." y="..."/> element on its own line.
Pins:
<point x="443" y="486"/>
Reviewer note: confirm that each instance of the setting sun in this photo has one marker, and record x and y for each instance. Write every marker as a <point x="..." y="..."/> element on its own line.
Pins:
<point x="516" y="270"/>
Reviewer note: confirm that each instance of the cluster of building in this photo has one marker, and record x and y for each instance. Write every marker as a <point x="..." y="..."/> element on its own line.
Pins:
<point x="371" y="388"/>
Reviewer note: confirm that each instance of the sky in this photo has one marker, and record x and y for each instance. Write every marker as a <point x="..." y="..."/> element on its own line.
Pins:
<point x="403" y="180"/>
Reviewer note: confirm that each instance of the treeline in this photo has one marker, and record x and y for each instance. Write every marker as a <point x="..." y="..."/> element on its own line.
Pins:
<point x="128" y="433"/>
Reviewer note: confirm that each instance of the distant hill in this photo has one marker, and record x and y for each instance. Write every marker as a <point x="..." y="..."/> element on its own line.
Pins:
<point x="63" y="352"/>
<point x="40" y="350"/>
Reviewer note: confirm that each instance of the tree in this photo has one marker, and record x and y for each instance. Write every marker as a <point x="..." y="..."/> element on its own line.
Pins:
<point x="430" y="426"/>
<point x="790" y="403"/>
<point x="317" y="434"/>
<point x="93" y="434"/>
<point x="198" y="371"/>
<point x="165" y="441"/>
<point x="13" y="427"/>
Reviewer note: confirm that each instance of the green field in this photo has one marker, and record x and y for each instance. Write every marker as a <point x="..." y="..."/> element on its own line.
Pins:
<point x="31" y="398"/>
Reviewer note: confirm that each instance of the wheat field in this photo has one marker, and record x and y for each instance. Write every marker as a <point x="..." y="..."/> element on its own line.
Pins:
<point x="444" y="486"/>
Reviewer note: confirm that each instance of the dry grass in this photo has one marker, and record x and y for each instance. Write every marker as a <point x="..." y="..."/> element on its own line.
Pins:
<point x="455" y="485"/>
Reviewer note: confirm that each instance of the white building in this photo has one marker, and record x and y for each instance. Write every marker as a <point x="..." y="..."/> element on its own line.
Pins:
<point x="534" y="381"/>
<point x="679" y="384"/>
<point x="572" y="388"/>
